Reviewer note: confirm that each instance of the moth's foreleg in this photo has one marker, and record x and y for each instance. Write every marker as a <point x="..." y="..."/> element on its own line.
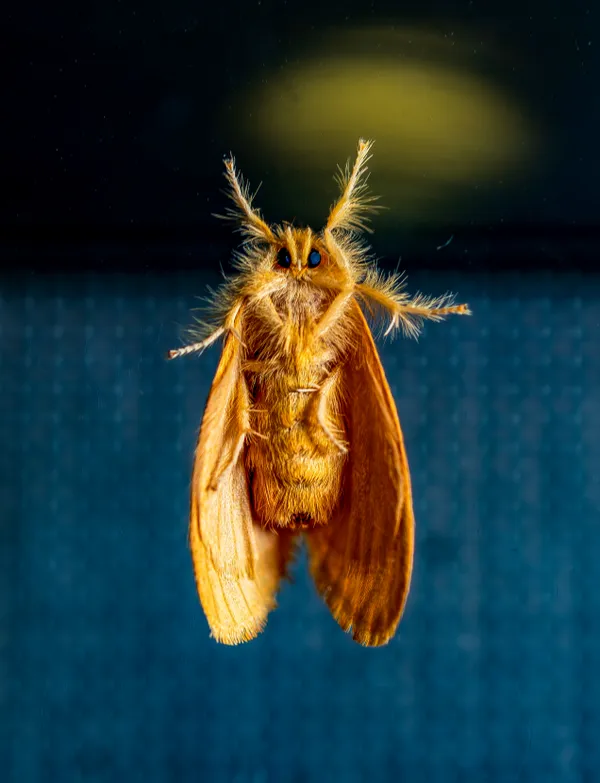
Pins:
<point x="228" y="326"/>
<point x="334" y="311"/>
<point x="406" y="312"/>
<point x="196" y="347"/>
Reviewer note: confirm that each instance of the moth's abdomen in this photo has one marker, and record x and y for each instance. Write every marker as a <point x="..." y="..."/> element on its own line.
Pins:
<point x="296" y="467"/>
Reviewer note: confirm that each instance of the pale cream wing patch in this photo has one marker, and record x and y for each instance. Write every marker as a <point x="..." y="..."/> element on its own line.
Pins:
<point x="237" y="565"/>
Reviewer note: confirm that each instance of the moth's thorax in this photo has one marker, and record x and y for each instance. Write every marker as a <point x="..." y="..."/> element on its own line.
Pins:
<point x="301" y="301"/>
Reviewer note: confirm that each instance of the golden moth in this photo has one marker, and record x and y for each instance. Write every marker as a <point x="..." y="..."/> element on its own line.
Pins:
<point x="300" y="436"/>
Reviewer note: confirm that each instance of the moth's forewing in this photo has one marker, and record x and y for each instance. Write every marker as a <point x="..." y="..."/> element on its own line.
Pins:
<point x="362" y="561"/>
<point x="236" y="564"/>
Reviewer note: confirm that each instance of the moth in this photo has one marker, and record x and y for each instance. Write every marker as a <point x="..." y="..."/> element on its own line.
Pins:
<point x="300" y="437"/>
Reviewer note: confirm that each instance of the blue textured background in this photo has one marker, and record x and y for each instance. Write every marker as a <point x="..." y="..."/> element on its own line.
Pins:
<point x="107" y="671"/>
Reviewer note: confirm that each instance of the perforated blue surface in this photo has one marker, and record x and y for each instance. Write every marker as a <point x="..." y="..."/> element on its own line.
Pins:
<point x="107" y="671"/>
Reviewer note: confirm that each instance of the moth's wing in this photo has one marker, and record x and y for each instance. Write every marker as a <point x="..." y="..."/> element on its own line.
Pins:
<point x="237" y="565"/>
<point x="362" y="560"/>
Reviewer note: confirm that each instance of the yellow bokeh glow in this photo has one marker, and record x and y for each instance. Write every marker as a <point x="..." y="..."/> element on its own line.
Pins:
<point x="440" y="127"/>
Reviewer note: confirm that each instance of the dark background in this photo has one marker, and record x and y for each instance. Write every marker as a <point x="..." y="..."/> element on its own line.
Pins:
<point x="115" y="120"/>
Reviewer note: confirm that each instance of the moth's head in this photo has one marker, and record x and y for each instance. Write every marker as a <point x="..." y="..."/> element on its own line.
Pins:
<point x="301" y="254"/>
<point x="327" y="257"/>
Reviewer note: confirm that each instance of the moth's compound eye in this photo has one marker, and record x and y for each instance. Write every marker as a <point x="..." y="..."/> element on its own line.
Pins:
<point x="314" y="259"/>
<point x="284" y="258"/>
